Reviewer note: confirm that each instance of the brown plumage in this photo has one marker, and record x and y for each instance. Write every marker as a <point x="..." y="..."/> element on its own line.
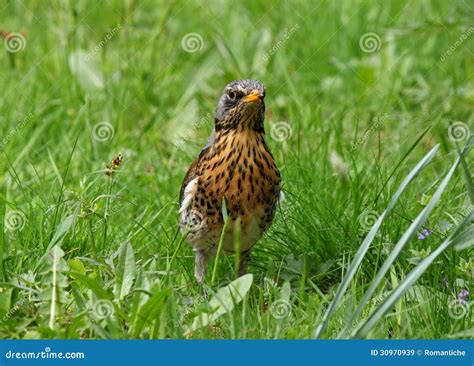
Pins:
<point x="238" y="166"/>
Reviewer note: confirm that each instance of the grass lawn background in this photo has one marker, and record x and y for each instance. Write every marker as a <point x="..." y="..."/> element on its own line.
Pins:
<point x="357" y="93"/>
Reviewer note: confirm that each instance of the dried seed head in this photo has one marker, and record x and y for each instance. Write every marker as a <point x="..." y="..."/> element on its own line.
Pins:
<point x="114" y="165"/>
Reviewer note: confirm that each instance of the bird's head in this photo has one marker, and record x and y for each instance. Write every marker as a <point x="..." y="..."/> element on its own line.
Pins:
<point x="241" y="106"/>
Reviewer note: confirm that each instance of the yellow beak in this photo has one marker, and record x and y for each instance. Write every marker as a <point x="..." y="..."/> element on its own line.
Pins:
<point x="253" y="97"/>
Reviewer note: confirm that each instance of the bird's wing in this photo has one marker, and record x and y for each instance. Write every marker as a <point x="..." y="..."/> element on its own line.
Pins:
<point x="192" y="173"/>
<point x="212" y="138"/>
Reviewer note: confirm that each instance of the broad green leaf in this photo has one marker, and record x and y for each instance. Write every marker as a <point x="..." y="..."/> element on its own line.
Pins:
<point x="150" y="311"/>
<point x="76" y="265"/>
<point x="125" y="272"/>
<point x="138" y="295"/>
<point x="32" y="334"/>
<point x="100" y="331"/>
<point x="86" y="71"/>
<point x="98" y="290"/>
<point x="78" y="296"/>
<point x="91" y="284"/>
<point x="285" y="292"/>
<point x="61" y="231"/>
<point x="223" y="302"/>
<point x="5" y="301"/>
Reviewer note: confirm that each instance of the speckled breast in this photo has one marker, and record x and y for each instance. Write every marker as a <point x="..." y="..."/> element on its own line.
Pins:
<point x="241" y="169"/>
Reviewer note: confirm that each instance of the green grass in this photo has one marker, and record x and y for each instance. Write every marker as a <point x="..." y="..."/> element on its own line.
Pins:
<point x="84" y="255"/>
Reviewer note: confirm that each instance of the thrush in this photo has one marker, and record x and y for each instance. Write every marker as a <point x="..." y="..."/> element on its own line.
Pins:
<point x="236" y="166"/>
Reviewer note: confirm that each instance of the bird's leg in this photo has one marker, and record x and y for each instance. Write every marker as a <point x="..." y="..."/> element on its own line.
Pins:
<point x="200" y="266"/>
<point x="244" y="261"/>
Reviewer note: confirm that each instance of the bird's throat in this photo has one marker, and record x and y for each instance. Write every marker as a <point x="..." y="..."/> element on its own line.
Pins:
<point x="239" y="141"/>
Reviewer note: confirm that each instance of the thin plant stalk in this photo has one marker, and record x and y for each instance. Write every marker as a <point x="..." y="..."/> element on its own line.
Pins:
<point x="221" y="241"/>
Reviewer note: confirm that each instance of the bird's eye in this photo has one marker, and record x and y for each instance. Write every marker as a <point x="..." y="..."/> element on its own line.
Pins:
<point x="231" y="94"/>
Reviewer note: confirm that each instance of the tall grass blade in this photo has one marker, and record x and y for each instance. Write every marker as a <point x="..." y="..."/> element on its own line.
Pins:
<point x="408" y="281"/>
<point x="465" y="168"/>
<point x="406" y="237"/>
<point x="465" y="239"/>
<point x="368" y="240"/>
<point x="3" y="243"/>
